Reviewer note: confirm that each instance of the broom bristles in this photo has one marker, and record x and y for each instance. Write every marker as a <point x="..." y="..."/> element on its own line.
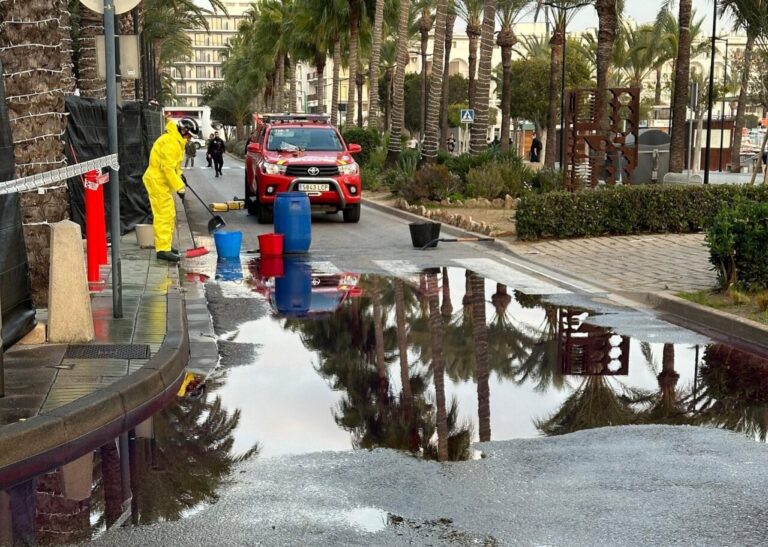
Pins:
<point x="197" y="251"/>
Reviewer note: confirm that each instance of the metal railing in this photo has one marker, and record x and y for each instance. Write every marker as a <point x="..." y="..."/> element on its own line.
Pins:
<point x="33" y="182"/>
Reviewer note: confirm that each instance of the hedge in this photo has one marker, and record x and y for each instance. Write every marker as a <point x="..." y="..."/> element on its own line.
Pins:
<point x="738" y="245"/>
<point x="624" y="210"/>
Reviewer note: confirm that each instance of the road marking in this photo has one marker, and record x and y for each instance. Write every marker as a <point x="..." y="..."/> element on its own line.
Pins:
<point x="490" y="269"/>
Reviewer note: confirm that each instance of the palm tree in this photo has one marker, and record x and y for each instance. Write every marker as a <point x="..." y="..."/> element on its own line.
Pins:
<point x="450" y="22"/>
<point x="507" y="13"/>
<point x="425" y="25"/>
<point x="373" y="85"/>
<point x="480" y="337"/>
<point x="393" y="151"/>
<point x="479" y="130"/>
<point x="37" y="65"/>
<point x="90" y="25"/>
<point x="680" y="94"/>
<point x="608" y="18"/>
<point x="429" y="149"/>
<point x="354" y="48"/>
<point x="436" y="330"/>
<point x="470" y="12"/>
<point x="639" y="48"/>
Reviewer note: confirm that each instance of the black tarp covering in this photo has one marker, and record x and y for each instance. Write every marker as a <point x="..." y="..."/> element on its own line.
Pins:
<point x="15" y="295"/>
<point x="86" y="138"/>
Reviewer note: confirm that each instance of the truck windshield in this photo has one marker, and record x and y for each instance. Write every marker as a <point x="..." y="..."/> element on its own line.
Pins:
<point x="290" y="139"/>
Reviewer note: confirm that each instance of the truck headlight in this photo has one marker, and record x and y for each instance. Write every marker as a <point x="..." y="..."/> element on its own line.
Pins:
<point x="348" y="169"/>
<point x="273" y="168"/>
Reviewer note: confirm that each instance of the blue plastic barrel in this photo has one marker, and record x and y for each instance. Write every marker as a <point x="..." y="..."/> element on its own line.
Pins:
<point x="293" y="291"/>
<point x="293" y="219"/>
<point x="228" y="243"/>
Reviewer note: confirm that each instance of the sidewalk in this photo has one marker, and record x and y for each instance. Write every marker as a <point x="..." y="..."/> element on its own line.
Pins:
<point x="59" y="402"/>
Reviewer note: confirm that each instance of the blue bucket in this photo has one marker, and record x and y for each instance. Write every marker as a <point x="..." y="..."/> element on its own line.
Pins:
<point x="228" y="243"/>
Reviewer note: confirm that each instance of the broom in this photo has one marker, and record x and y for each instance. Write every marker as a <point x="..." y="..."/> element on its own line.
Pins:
<point x="195" y="251"/>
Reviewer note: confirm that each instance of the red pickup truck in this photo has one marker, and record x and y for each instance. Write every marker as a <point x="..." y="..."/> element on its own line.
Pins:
<point x="304" y="153"/>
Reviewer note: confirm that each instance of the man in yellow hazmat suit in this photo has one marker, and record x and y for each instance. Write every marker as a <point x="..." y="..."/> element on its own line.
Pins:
<point x="162" y="178"/>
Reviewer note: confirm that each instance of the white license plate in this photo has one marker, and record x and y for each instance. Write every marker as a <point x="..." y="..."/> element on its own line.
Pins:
<point x="306" y="187"/>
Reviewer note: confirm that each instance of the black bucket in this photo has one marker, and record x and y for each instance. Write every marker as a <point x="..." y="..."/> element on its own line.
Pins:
<point x="424" y="232"/>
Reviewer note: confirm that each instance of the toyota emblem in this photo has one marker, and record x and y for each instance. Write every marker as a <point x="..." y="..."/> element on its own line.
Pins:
<point x="314" y="171"/>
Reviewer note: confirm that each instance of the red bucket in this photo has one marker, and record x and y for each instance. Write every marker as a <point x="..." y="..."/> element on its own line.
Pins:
<point x="271" y="266"/>
<point x="271" y="244"/>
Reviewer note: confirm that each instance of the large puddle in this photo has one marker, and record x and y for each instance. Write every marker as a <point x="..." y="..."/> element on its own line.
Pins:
<point x="317" y="359"/>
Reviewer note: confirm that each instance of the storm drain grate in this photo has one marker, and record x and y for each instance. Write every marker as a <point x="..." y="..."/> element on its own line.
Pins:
<point x="108" y="351"/>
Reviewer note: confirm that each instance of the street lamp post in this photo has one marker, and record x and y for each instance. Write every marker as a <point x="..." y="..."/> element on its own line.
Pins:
<point x="722" y="108"/>
<point x="711" y="94"/>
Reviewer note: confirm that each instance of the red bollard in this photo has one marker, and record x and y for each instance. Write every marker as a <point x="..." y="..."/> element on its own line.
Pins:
<point x="95" y="224"/>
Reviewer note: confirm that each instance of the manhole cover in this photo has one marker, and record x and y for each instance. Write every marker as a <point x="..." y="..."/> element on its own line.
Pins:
<point x="108" y="351"/>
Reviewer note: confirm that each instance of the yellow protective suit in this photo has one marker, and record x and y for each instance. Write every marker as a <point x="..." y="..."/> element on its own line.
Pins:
<point x="162" y="179"/>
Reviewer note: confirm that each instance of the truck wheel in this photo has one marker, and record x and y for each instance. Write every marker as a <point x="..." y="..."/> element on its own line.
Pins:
<point x="264" y="213"/>
<point x="352" y="213"/>
<point x="250" y="202"/>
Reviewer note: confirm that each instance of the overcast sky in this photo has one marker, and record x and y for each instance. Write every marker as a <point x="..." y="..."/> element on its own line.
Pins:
<point x="644" y="11"/>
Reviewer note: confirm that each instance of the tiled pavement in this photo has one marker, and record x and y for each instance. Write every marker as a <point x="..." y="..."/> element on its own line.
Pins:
<point x="40" y="378"/>
<point x="644" y="263"/>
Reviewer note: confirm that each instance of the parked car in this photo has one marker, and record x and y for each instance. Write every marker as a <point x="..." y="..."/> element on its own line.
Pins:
<point x="301" y="152"/>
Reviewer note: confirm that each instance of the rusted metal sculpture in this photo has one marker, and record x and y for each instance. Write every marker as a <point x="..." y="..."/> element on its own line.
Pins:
<point x="594" y="156"/>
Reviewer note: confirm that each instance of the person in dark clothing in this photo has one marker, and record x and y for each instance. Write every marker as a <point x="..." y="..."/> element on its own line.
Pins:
<point x="207" y="155"/>
<point x="536" y="149"/>
<point x="216" y="151"/>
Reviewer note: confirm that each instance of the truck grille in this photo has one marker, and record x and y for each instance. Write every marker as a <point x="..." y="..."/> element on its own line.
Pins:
<point x="303" y="171"/>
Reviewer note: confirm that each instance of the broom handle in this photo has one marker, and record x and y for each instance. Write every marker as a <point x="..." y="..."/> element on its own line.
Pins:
<point x="201" y="200"/>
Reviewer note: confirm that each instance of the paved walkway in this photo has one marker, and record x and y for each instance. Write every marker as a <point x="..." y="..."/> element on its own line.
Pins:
<point x="41" y="378"/>
<point x="651" y="263"/>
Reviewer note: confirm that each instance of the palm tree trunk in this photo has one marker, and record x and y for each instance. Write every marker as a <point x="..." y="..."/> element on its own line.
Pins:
<point x="280" y="83"/>
<point x="432" y="125"/>
<point x="738" y="123"/>
<point x="320" y="89"/>
<point x="388" y="76"/>
<point x="506" y="40"/>
<point x="111" y="478"/>
<point x="479" y="132"/>
<point x="402" y="343"/>
<point x="436" y="331"/>
<point x="446" y="308"/>
<point x="425" y="25"/>
<point x="378" y="330"/>
<point x="668" y="377"/>
<point x="657" y="88"/>
<point x="36" y="81"/>
<point x="696" y="160"/>
<point x="373" y="79"/>
<point x="292" y="89"/>
<point x="680" y="97"/>
<point x="445" y="94"/>
<point x="354" y="43"/>
<point x="480" y="336"/>
<point x="359" y="81"/>
<point x="555" y="67"/>
<point x="336" y="83"/>
<point x="393" y="150"/>
<point x="88" y="81"/>
<point x="474" y="37"/>
<point x="606" y="36"/>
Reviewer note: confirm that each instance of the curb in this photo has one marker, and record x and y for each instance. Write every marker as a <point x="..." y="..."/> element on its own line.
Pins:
<point x="685" y="313"/>
<point x="50" y="440"/>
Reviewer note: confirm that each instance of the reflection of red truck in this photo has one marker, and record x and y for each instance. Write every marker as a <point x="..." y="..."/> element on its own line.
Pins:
<point x="301" y="152"/>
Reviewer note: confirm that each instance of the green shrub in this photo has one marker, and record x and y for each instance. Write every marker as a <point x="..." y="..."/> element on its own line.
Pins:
<point x="408" y="162"/>
<point x="627" y="210"/>
<point x="235" y="147"/>
<point x="495" y="180"/>
<point x="547" y="179"/>
<point x="368" y="139"/>
<point x="371" y="178"/>
<point x="431" y="182"/>
<point x="738" y="241"/>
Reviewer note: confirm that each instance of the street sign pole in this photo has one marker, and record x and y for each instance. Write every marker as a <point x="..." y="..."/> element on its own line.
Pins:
<point x="114" y="181"/>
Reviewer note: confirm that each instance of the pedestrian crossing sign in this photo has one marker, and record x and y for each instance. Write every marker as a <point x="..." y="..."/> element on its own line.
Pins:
<point x="467" y="115"/>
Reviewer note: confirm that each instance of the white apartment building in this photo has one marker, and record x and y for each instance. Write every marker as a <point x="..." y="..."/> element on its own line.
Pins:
<point x="204" y="67"/>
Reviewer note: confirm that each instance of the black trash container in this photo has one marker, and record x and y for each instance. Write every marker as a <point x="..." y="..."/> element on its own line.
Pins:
<point x="424" y="232"/>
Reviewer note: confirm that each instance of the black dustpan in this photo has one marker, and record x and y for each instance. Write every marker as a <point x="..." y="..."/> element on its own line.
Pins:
<point x="216" y="222"/>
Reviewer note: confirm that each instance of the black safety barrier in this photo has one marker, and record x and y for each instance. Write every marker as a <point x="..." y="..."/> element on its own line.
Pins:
<point x="18" y="314"/>
<point x="139" y="125"/>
